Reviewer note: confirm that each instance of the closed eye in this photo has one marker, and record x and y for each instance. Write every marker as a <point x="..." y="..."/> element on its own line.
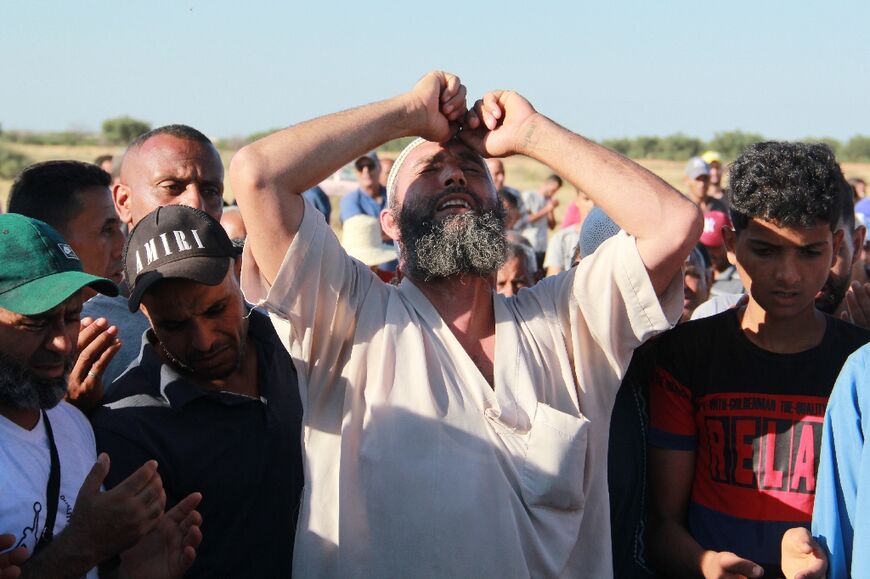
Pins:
<point x="216" y="309"/>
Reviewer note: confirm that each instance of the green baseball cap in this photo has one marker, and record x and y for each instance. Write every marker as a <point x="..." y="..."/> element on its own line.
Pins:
<point x="38" y="269"/>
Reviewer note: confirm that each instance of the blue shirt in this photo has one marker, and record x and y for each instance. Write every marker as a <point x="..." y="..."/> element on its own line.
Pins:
<point x="131" y="326"/>
<point x="358" y="202"/>
<point x="841" y="514"/>
<point x="320" y="199"/>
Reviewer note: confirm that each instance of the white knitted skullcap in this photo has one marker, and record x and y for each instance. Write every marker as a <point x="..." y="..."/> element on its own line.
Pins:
<point x="400" y="160"/>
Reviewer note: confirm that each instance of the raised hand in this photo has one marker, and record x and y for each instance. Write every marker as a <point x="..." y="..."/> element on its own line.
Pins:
<point x="727" y="565"/>
<point x="802" y="556"/>
<point x="107" y="523"/>
<point x="97" y="345"/>
<point x="499" y="124"/>
<point x="858" y="304"/>
<point x="169" y="550"/>
<point x="10" y="561"/>
<point x="437" y="105"/>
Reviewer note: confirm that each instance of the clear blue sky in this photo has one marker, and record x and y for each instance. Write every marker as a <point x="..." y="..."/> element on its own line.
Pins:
<point x="786" y="69"/>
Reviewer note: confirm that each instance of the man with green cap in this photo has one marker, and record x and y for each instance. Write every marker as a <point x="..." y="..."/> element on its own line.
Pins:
<point x="50" y="497"/>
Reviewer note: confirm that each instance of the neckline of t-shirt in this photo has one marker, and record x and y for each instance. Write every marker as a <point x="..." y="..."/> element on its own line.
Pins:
<point x="35" y="435"/>
<point x="753" y="347"/>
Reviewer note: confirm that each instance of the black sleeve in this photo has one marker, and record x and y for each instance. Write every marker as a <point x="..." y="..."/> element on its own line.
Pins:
<point x="125" y="456"/>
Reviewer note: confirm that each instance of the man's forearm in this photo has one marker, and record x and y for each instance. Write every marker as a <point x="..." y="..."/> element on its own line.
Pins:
<point x="299" y="157"/>
<point x="673" y="552"/>
<point x="539" y="214"/>
<point x="268" y="175"/>
<point x="631" y="195"/>
<point x="66" y="557"/>
<point x="551" y="219"/>
<point x="636" y="199"/>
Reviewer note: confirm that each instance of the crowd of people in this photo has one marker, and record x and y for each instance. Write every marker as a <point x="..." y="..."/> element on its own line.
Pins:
<point x="664" y="384"/>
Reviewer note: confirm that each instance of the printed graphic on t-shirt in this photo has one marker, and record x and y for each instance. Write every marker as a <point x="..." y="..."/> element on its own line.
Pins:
<point x="757" y="454"/>
<point x="31" y="531"/>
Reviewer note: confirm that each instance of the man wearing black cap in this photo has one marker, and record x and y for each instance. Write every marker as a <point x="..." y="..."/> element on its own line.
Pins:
<point x="169" y="165"/>
<point x="212" y="397"/>
<point x="50" y="497"/>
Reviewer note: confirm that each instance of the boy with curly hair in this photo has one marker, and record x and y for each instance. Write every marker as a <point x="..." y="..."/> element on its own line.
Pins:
<point x="737" y="400"/>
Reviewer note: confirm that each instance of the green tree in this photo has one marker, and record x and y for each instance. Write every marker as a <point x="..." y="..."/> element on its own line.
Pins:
<point x="621" y="146"/>
<point x="12" y="163"/>
<point x="122" y="130"/>
<point x="857" y="149"/>
<point x="731" y="143"/>
<point x="644" y="147"/>
<point x="679" y="147"/>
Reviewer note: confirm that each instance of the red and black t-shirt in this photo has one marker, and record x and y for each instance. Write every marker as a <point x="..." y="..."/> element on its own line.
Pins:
<point x="753" y="419"/>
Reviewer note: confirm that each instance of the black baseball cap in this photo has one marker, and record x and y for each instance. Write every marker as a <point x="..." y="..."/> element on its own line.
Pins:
<point x="175" y="242"/>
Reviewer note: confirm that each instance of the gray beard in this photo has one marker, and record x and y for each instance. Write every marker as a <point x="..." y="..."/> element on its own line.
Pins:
<point x="469" y="243"/>
<point x="19" y="388"/>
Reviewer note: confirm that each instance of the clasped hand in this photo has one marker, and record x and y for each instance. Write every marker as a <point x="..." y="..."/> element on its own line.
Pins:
<point x="499" y="124"/>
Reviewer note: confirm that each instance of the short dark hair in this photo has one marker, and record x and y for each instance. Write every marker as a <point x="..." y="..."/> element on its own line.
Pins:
<point x="789" y="184"/>
<point x="47" y="191"/>
<point x="556" y="179"/>
<point x="847" y="207"/>
<point x="179" y="131"/>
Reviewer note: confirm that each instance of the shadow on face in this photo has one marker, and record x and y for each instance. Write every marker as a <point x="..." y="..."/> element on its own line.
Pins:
<point x="201" y="328"/>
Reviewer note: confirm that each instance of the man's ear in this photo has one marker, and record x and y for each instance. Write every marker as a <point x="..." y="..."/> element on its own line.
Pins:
<point x="858" y="237"/>
<point x="729" y="236"/>
<point x="144" y="311"/>
<point x="121" y="198"/>
<point x="838" y="241"/>
<point x="389" y="225"/>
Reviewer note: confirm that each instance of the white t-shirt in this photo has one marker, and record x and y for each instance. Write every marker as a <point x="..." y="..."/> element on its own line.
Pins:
<point x="414" y="465"/>
<point x="560" y="248"/>
<point x="25" y="463"/>
<point x="535" y="231"/>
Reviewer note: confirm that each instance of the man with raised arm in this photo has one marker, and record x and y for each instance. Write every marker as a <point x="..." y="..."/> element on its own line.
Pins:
<point x="450" y="431"/>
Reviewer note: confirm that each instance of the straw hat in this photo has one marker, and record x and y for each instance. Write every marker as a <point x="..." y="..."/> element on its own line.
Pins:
<point x="361" y="238"/>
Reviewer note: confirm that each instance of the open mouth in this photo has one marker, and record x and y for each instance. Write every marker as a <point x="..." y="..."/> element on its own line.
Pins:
<point x="455" y="203"/>
<point x="452" y="204"/>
